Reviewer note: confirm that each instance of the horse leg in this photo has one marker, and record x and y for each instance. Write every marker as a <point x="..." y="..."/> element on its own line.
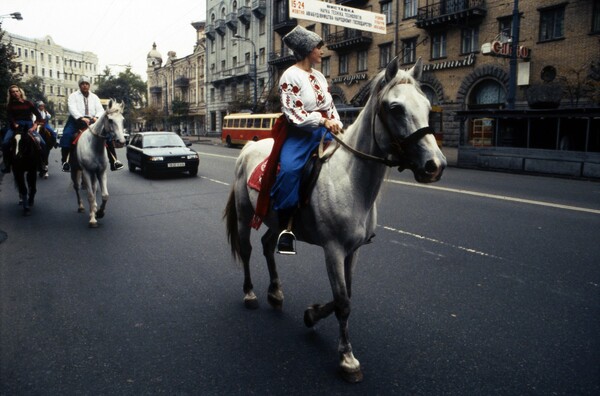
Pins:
<point x="275" y="293"/>
<point x="91" y="193"/>
<point x="76" y="178"/>
<point x="32" y="184"/>
<point x="104" y="192"/>
<point x="337" y="269"/>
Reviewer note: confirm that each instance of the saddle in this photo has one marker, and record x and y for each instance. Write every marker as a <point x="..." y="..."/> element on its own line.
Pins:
<point x="308" y="179"/>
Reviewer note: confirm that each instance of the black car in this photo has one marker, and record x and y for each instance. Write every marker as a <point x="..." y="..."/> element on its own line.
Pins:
<point x="160" y="152"/>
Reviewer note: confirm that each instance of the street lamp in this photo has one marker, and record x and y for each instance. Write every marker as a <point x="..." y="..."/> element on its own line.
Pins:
<point x="14" y="15"/>
<point x="254" y="56"/>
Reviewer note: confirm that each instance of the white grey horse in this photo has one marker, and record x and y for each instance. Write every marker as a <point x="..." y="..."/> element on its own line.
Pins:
<point x="89" y="162"/>
<point x="392" y="130"/>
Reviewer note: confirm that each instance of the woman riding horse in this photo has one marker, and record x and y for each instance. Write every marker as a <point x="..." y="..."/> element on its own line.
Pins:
<point x="309" y="113"/>
<point x="21" y="113"/>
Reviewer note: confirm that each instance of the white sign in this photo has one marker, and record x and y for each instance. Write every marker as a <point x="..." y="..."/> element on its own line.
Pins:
<point x="334" y="14"/>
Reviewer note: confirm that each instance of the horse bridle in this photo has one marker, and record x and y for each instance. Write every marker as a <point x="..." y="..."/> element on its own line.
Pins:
<point x="104" y="127"/>
<point x="400" y="144"/>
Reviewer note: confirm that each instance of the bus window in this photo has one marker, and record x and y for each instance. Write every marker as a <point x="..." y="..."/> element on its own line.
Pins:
<point x="236" y="122"/>
<point x="256" y="123"/>
<point x="243" y="123"/>
<point x="266" y="123"/>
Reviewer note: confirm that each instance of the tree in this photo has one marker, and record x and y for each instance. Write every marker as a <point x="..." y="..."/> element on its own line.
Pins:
<point x="127" y="87"/>
<point x="9" y="74"/>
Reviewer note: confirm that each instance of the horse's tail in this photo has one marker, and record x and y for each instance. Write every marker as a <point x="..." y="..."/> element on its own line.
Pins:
<point x="231" y="220"/>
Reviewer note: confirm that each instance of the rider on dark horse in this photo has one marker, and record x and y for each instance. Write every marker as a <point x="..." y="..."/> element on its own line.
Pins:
<point x="47" y="132"/>
<point x="21" y="113"/>
<point x="85" y="107"/>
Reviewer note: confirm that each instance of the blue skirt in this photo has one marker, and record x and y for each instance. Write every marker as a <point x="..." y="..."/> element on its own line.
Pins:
<point x="295" y="152"/>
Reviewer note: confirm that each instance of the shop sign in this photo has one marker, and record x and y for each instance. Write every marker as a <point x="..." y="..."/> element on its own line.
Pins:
<point x="498" y="48"/>
<point x="468" y="60"/>
<point x="335" y="14"/>
<point x="351" y="79"/>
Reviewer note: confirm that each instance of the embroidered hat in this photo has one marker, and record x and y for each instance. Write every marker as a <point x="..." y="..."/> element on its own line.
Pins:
<point x="39" y="103"/>
<point x="302" y="41"/>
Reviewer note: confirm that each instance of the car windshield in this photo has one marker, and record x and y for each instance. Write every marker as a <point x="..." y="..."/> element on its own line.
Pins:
<point x="163" y="141"/>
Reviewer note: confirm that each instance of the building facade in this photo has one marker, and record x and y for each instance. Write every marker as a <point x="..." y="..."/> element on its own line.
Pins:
<point x="487" y="108"/>
<point x="238" y="41"/>
<point x="59" y="68"/>
<point x="179" y="82"/>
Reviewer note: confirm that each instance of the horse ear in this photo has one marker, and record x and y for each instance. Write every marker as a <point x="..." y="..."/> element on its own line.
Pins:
<point x="391" y="70"/>
<point x="417" y="70"/>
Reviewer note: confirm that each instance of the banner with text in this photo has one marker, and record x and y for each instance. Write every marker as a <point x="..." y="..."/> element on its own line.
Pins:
<point x="334" y="14"/>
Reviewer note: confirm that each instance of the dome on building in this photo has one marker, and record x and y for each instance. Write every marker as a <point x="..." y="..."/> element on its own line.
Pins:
<point x="154" y="57"/>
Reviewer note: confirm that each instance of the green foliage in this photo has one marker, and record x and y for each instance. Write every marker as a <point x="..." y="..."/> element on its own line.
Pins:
<point x="127" y="87"/>
<point x="9" y="74"/>
<point x="180" y="108"/>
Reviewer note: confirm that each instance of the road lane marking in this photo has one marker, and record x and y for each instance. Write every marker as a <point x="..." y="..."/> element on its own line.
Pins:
<point x="499" y="197"/>
<point x="214" y="180"/>
<point x="437" y="241"/>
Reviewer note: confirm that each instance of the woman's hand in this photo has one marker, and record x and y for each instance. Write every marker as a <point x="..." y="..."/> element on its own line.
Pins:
<point x="33" y="128"/>
<point x="332" y="126"/>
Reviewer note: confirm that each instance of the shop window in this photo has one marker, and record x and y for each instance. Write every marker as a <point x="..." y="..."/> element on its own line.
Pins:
<point x="487" y="94"/>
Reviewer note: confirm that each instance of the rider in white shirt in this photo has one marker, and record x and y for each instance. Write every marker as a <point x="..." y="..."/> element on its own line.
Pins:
<point x="84" y="109"/>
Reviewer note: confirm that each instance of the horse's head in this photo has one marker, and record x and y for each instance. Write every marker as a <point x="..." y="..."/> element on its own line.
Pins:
<point x="112" y="121"/>
<point x="403" y="132"/>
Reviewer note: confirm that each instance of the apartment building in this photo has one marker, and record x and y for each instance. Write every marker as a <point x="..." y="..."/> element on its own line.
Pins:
<point x="60" y="68"/>
<point x="238" y="41"/>
<point x="181" y="80"/>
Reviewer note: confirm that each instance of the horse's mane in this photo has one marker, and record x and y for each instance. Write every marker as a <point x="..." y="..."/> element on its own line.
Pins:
<point x="115" y="107"/>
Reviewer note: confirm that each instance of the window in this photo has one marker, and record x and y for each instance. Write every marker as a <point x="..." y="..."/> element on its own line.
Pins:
<point x="438" y="45"/>
<point x="386" y="9"/>
<point x="410" y="8"/>
<point x="385" y="54"/>
<point x="552" y="23"/>
<point x="261" y="56"/>
<point x="469" y="41"/>
<point x="362" y="60"/>
<point x="505" y="28"/>
<point x="343" y="64"/>
<point x="261" y="26"/>
<point x="409" y="50"/>
<point x="325" y="32"/>
<point x="326" y="66"/>
<point x="234" y="61"/>
<point x="595" y="18"/>
<point x="488" y="93"/>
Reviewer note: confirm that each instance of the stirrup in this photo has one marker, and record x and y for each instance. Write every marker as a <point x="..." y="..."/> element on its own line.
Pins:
<point x="118" y="165"/>
<point x="286" y="243"/>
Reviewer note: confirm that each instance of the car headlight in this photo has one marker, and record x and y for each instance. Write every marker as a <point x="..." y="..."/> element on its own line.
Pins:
<point x="192" y="156"/>
<point x="156" y="158"/>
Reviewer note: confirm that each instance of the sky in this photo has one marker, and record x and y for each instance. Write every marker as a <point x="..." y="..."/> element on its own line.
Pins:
<point x="119" y="32"/>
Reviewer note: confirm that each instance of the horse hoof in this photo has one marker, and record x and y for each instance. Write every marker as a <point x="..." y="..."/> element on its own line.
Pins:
<point x="352" y="377"/>
<point x="93" y="225"/>
<point x="251" y="303"/>
<point x="309" y="317"/>
<point x="275" y="301"/>
<point x="99" y="214"/>
<point x="80" y="210"/>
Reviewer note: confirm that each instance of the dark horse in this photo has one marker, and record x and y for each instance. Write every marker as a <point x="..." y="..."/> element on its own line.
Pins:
<point x="50" y="143"/>
<point x="25" y="164"/>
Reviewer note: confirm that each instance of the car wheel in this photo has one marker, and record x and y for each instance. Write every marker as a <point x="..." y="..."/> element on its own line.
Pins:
<point x="130" y="166"/>
<point x="194" y="172"/>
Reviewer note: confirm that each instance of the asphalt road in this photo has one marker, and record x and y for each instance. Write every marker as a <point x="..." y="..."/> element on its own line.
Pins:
<point x="484" y="283"/>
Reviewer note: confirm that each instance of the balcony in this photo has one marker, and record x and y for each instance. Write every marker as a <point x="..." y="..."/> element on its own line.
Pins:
<point x="282" y="59"/>
<point x="244" y="14"/>
<point x="231" y="21"/>
<point x="220" y="27"/>
<point x="155" y="90"/>
<point x="259" y="8"/>
<point x="233" y="73"/>
<point x="283" y="24"/>
<point x="182" y="82"/>
<point x="450" y="12"/>
<point x="352" y="3"/>
<point x="209" y="31"/>
<point x="349" y="39"/>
